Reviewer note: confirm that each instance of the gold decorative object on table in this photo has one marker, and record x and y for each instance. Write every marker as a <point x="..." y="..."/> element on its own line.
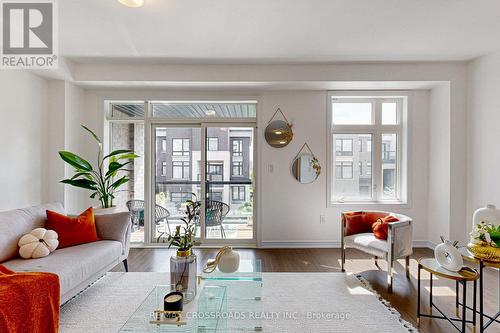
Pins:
<point x="485" y="241"/>
<point x="485" y="251"/>
<point x="160" y="317"/>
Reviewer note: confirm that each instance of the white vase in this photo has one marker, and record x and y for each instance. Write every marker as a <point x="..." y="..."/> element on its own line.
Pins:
<point x="448" y="256"/>
<point x="105" y="211"/>
<point x="489" y="214"/>
<point x="229" y="261"/>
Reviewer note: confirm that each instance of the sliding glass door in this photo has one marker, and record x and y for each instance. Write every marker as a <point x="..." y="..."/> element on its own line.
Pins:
<point x="176" y="176"/>
<point x="229" y="182"/>
<point x="208" y="163"/>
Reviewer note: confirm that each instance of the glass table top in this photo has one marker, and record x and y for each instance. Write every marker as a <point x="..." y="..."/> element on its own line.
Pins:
<point x="212" y="299"/>
<point x="249" y="270"/>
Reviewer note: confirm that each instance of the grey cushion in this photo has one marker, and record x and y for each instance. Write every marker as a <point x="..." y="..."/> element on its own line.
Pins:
<point x="114" y="227"/>
<point x="367" y="242"/>
<point x="73" y="264"/>
<point x="16" y="223"/>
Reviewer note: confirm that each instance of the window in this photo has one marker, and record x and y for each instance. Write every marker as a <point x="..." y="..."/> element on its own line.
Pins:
<point x="215" y="171"/>
<point x="180" y="170"/>
<point x="343" y="170"/>
<point x="163" y="168"/>
<point x="343" y="147"/>
<point x="367" y="132"/>
<point x="163" y="145"/>
<point x="213" y="144"/>
<point x="215" y="195"/>
<point x="180" y="147"/>
<point x="180" y="197"/>
<point x="238" y="193"/>
<point x="237" y="169"/>
<point x="237" y="147"/>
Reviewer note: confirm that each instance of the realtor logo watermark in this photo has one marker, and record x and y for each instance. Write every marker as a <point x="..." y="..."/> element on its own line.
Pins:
<point x="29" y="34"/>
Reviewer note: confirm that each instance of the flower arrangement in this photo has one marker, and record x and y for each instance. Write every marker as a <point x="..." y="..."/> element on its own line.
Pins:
<point x="485" y="241"/>
<point x="486" y="233"/>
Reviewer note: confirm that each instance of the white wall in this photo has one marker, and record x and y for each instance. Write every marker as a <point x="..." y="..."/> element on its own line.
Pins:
<point x="483" y="133"/>
<point x="23" y="106"/>
<point x="289" y="212"/>
<point x="439" y="163"/>
<point x="280" y="222"/>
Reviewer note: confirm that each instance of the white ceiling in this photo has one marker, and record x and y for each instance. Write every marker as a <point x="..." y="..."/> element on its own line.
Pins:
<point x="276" y="31"/>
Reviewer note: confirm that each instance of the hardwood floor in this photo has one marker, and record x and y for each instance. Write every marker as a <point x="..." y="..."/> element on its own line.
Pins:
<point x="403" y="298"/>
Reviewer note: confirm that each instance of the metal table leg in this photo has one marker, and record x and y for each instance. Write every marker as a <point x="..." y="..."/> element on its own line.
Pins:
<point x="464" y="306"/>
<point x="474" y="306"/>
<point x="456" y="298"/>
<point x="418" y="295"/>
<point x="481" y="301"/>
<point x="430" y="295"/>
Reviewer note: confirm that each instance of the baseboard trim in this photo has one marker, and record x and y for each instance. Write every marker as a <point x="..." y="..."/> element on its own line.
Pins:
<point x="326" y="244"/>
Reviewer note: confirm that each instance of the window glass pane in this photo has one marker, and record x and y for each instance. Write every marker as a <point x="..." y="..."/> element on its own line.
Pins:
<point x="351" y="113"/>
<point x="389" y="165"/>
<point x="389" y="113"/>
<point x="130" y="136"/>
<point x="200" y="110"/>
<point x="353" y="182"/>
<point x="127" y="110"/>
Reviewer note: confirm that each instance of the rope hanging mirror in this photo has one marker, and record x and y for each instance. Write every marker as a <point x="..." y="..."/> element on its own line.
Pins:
<point x="305" y="166"/>
<point x="278" y="132"/>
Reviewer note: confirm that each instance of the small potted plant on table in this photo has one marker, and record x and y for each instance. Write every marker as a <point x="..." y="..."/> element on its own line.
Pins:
<point x="183" y="269"/>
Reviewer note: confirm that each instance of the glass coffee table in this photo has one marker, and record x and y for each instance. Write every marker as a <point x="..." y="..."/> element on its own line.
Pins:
<point x="227" y="302"/>
<point x="211" y="300"/>
<point x="244" y="294"/>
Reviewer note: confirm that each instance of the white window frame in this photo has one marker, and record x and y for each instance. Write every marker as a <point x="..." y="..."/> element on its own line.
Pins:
<point x="376" y="129"/>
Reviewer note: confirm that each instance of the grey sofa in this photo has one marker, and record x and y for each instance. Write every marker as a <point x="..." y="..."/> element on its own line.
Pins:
<point x="77" y="266"/>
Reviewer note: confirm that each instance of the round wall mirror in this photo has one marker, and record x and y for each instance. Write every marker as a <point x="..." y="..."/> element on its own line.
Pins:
<point x="278" y="133"/>
<point x="306" y="168"/>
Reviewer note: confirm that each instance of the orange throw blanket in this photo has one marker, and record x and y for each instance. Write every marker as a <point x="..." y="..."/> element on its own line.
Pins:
<point x="29" y="302"/>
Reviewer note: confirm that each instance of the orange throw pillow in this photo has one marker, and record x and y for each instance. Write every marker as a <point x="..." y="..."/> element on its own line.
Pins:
<point x="381" y="226"/>
<point x="73" y="230"/>
<point x="356" y="224"/>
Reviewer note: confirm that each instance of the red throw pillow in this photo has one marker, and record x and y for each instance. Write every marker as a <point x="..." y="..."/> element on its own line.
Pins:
<point x="381" y="226"/>
<point x="73" y="230"/>
<point x="356" y="224"/>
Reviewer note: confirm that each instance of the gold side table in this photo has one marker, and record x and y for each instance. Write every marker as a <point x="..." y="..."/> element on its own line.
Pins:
<point x="467" y="255"/>
<point x="462" y="277"/>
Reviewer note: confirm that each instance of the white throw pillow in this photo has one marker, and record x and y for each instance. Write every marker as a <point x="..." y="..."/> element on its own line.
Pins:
<point x="38" y="243"/>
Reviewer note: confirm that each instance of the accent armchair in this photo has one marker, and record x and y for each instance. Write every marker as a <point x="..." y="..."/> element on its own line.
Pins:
<point x="398" y="244"/>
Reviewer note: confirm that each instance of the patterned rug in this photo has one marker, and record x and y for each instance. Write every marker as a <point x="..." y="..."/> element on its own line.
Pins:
<point x="291" y="302"/>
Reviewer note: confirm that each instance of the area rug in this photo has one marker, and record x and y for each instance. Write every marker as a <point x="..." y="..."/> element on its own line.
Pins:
<point x="318" y="302"/>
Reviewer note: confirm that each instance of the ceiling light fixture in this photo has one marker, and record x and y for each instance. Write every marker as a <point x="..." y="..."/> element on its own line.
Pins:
<point x="132" y="3"/>
<point x="210" y="112"/>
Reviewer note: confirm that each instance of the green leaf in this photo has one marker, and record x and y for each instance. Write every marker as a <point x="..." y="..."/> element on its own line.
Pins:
<point x="93" y="134"/>
<point x="119" y="182"/>
<point x="84" y="174"/>
<point x="117" y="152"/>
<point x="128" y="156"/>
<point x="75" y="161"/>
<point x="114" y="167"/>
<point x="82" y="183"/>
<point x="92" y="196"/>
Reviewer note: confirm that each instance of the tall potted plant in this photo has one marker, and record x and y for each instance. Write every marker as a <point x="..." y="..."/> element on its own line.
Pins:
<point x="101" y="179"/>
<point x="183" y="267"/>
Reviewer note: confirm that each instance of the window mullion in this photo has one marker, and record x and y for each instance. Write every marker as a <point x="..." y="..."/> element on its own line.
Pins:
<point x="377" y="165"/>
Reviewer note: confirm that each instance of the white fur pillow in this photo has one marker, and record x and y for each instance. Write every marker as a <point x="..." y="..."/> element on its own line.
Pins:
<point x="38" y="244"/>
